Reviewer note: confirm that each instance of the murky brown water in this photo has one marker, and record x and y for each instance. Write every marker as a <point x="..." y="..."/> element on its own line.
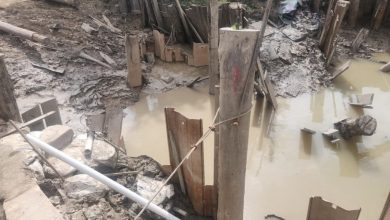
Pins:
<point x="286" y="167"/>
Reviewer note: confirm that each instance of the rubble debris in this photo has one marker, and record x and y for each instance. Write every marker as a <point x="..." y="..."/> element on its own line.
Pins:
<point x="59" y="136"/>
<point x="364" y="100"/>
<point x="103" y="153"/>
<point x="341" y="69"/>
<point x="385" y="68"/>
<point x="87" y="28"/>
<point x="308" y="130"/>
<point x="24" y="33"/>
<point x="107" y="26"/>
<point x="147" y="187"/>
<point x="82" y="186"/>
<point x="363" y="125"/>
<point x="294" y="34"/>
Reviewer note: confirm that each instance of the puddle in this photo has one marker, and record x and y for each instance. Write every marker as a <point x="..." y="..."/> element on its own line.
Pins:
<point x="286" y="167"/>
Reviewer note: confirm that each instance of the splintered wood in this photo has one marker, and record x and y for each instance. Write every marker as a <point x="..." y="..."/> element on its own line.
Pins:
<point x="323" y="210"/>
<point x="334" y="18"/>
<point x="8" y="107"/>
<point x="134" y="76"/>
<point x="182" y="134"/>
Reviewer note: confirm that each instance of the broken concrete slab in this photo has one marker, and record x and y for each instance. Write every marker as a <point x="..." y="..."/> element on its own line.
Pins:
<point x="363" y="100"/>
<point x="33" y="205"/>
<point x="58" y="136"/>
<point x="83" y="186"/>
<point x="104" y="154"/>
<point x="363" y="125"/>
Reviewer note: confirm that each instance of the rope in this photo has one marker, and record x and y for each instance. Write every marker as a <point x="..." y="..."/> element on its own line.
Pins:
<point x="194" y="147"/>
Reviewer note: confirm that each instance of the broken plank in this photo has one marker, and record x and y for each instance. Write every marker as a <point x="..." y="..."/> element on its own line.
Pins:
<point x="49" y="68"/>
<point x="186" y="132"/>
<point x="109" y="24"/>
<point x="341" y="70"/>
<point x="90" y="58"/>
<point x="108" y="59"/>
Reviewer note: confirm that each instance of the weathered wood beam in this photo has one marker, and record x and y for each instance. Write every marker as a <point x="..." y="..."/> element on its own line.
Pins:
<point x="134" y="75"/>
<point x="379" y="14"/>
<point x="213" y="45"/>
<point x="237" y="52"/>
<point x="24" y="33"/>
<point x="360" y="38"/>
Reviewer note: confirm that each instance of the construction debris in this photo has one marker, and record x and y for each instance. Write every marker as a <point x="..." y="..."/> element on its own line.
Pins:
<point x="24" y="33"/>
<point x="385" y="68"/>
<point x="364" y="100"/>
<point x="321" y="209"/>
<point x="363" y="125"/>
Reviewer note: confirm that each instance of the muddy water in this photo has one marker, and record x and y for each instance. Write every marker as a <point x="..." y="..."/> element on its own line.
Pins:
<point x="286" y="167"/>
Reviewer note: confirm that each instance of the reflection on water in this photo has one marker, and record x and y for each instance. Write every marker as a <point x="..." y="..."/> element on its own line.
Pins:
<point x="285" y="166"/>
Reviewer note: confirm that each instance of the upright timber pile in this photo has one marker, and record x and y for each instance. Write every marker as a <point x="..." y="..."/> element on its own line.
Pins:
<point x="8" y="107"/>
<point x="237" y="56"/>
<point x="334" y="17"/>
<point x="213" y="45"/>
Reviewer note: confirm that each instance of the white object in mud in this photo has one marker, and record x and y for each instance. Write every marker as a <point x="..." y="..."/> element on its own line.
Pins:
<point x="103" y="153"/>
<point x="84" y="186"/>
<point x="147" y="187"/>
<point x="385" y="68"/>
<point x="58" y="136"/>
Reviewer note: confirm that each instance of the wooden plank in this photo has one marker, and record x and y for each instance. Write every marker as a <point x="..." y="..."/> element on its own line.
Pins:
<point x="237" y="58"/>
<point x="48" y="106"/>
<point x="200" y="54"/>
<point x="186" y="132"/>
<point x="379" y="14"/>
<point x="157" y="13"/>
<point x="353" y="12"/>
<point x="197" y="15"/>
<point x="176" y="156"/>
<point x="113" y="124"/>
<point x="134" y="75"/>
<point x="386" y="210"/>
<point x="323" y="210"/>
<point x="271" y="92"/>
<point x="213" y="45"/>
<point x="360" y="38"/>
<point x="29" y="115"/>
<point x="24" y="33"/>
<point x="8" y="107"/>
<point x="159" y="44"/>
<point x="208" y="192"/>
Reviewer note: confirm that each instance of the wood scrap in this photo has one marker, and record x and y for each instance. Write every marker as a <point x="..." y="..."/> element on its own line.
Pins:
<point x="87" y="28"/>
<point x="90" y="58"/>
<point x="108" y="59"/>
<point x="101" y="24"/>
<point x="112" y="27"/>
<point x="24" y="33"/>
<point x="59" y="70"/>
<point x="341" y="70"/>
<point x="134" y="75"/>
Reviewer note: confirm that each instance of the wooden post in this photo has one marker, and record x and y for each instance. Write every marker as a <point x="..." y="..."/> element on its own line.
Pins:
<point x="213" y="45"/>
<point x="237" y="54"/>
<point x="360" y="38"/>
<point x="265" y="21"/>
<point x="316" y="6"/>
<point x="216" y="153"/>
<point x="328" y="39"/>
<point x="353" y="12"/>
<point x="379" y="14"/>
<point x="328" y="19"/>
<point x="8" y="107"/>
<point x="134" y="76"/>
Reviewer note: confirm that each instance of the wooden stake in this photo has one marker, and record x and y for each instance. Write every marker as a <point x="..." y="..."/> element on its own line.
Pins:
<point x="216" y="155"/>
<point x="379" y="14"/>
<point x="134" y="76"/>
<point x="213" y="45"/>
<point x="328" y="19"/>
<point x="8" y="107"/>
<point x="360" y="38"/>
<point x="237" y="52"/>
<point x="353" y="12"/>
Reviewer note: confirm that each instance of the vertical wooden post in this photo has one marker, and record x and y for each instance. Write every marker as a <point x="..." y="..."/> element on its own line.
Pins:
<point x="216" y="155"/>
<point x="8" y="108"/>
<point x="134" y="76"/>
<point x="328" y="39"/>
<point x="237" y="53"/>
<point x="316" y="6"/>
<point x="328" y="19"/>
<point x="213" y="45"/>
<point x="379" y="14"/>
<point x="353" y="12"/>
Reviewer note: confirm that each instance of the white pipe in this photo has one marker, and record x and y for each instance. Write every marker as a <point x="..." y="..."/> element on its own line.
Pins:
<point x="89" y="144"/>
<point x="100" y="177"/>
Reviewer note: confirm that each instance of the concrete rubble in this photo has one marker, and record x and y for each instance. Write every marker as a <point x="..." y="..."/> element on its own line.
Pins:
<point x="82" y="186"/>
<point x="363" y="125"/>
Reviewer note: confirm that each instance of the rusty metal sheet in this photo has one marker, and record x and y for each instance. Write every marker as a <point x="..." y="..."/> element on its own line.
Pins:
<point x="320" y="209"/>
<point x="186" y="132"/>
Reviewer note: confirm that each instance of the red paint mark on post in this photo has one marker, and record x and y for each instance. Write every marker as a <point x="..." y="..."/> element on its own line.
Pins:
<point x="235" y="78"/>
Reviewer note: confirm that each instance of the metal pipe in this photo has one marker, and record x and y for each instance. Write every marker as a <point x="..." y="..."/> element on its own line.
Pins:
<point x="100" y="177"/>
